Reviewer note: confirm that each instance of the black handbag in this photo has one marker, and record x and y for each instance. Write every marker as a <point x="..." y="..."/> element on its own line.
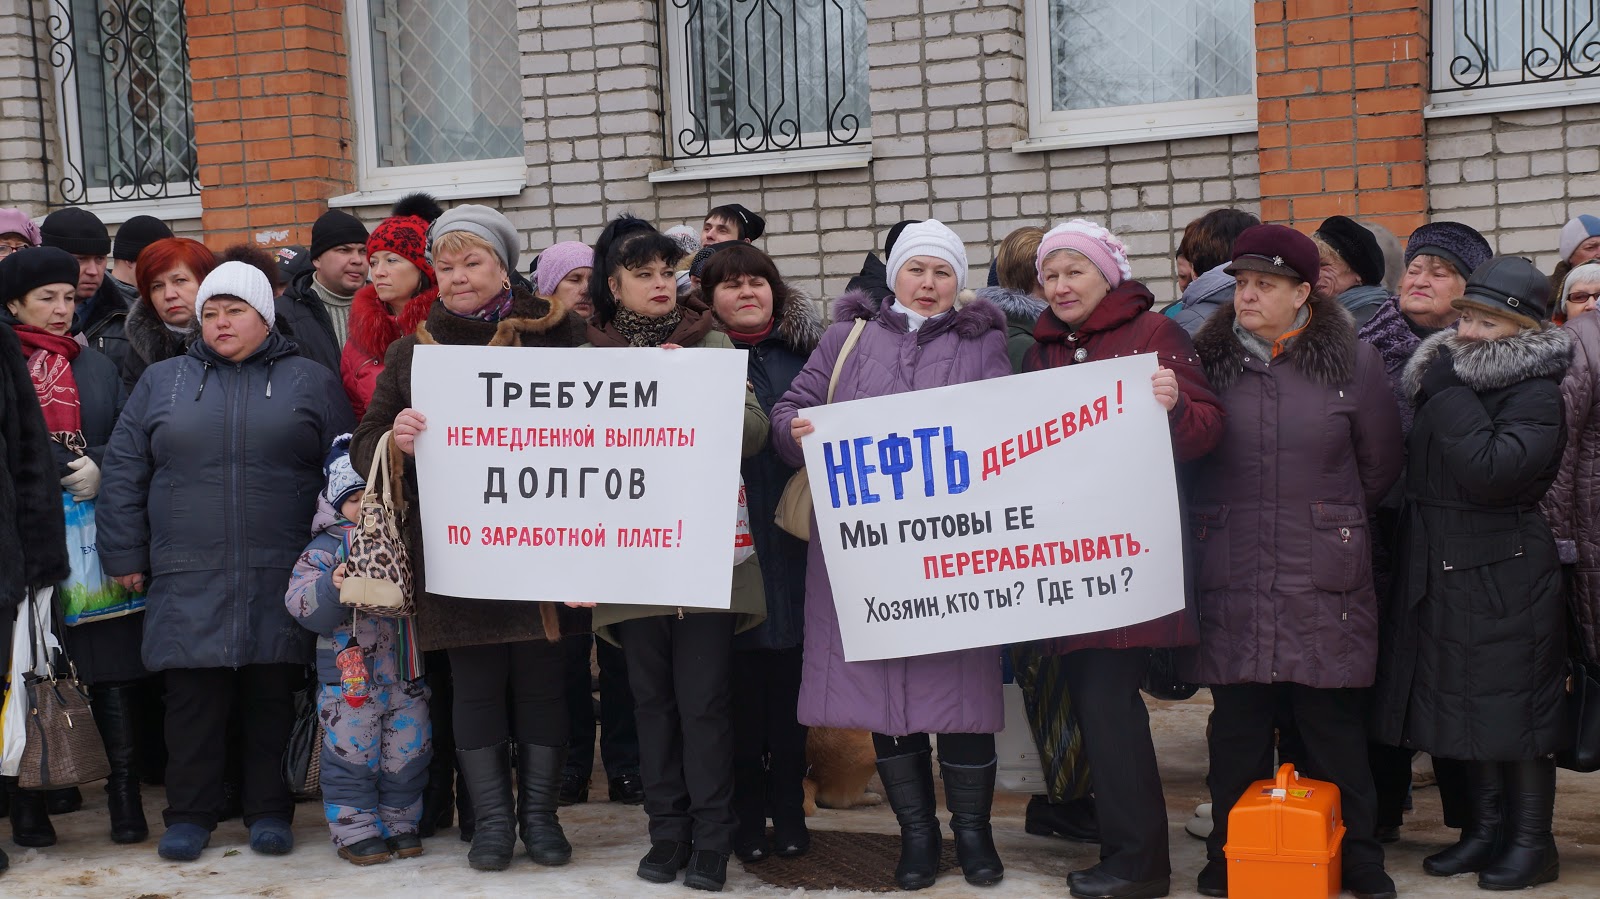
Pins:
<point x="1583" y="693"/>
<point x="302" y="758"/>
<point x="1161" y="678"/>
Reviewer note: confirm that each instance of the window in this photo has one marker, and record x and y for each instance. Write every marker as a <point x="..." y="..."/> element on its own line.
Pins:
<point x="766" y="82"/>
<point x="437" y="83"/>
<point x="123" y="116"/>
<point x="1491" y="55"/>
<point x="1115" y="71"/>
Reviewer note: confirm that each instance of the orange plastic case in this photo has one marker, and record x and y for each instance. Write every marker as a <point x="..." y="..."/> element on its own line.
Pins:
<point x="1284" y="837"/>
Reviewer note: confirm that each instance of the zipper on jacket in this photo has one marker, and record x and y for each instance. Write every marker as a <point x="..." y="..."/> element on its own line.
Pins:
<point x="204" y="375"/>
<point x="680" y="613"/>
<point x="235" y="421"/>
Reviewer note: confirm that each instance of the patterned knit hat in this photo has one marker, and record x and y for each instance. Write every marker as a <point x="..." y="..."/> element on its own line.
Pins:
<point x="1455" y="243"/>
<point x="341" y="476"/>
<point x="405" y="233"/>
<point x="1099" y="246"/>
<point x="559" y="261"/>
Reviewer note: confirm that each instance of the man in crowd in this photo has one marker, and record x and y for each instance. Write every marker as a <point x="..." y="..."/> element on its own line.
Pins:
<point x="133" y="236"/>
<point x="316" y="303"/>
<point x="101" y="312"/>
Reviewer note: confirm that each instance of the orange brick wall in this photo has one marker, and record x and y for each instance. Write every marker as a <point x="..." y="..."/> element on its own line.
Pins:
<point x="1341" y="86"/>
<point x="272" y="116"/>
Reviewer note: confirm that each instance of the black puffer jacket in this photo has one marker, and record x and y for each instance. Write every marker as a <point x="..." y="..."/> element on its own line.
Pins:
<point x="108" y="317"/>
<point x="1473" y="664"/>
<point x="308" y="323"/>
<point x="210" y="485"/>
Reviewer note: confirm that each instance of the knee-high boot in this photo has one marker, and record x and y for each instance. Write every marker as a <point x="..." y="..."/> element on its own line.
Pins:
<point x="1484" y="833"/>
<point x="116" y="713"/>
<point x="1529" y="857"/>
<point x="487" y="773"/>
<point x="539" y="770"/>
<point x="908" y="779"/>
<point x="969" y="794"/>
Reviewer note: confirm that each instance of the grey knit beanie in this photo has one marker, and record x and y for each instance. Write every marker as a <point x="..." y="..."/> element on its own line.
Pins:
<point x="484" y="222"/>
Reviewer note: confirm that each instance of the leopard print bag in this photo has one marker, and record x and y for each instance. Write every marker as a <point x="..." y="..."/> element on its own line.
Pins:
<point x="378" y="569"/>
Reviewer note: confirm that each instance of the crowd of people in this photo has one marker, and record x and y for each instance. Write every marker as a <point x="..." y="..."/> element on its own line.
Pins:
<point x="1389" y="470"/>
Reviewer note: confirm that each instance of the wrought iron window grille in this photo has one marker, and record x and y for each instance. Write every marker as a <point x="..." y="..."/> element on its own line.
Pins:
<point x="1495" y="43"/>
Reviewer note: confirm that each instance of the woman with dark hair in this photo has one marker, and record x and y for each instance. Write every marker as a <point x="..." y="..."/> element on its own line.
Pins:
<point x="401" y="292"/>
<point x="779" y="325"/>
<point x="731" y="222"/>
<point x="1203" y="253"/>
<point x="679" y="660"/>
<point x="168" y="275"/>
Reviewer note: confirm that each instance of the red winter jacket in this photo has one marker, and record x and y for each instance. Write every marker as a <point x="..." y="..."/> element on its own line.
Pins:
<point x="1123" y="325"/>
<point x="372" y="329"/>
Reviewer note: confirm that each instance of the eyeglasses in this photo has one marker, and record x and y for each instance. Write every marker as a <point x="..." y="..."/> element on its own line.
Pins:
<point x="1579" y="298"/>
<point x="6" y="249"/>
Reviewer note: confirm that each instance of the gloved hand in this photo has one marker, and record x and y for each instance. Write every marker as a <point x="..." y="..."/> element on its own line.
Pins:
<point x="1441" y="375"/>
<point x="84" y="482"/>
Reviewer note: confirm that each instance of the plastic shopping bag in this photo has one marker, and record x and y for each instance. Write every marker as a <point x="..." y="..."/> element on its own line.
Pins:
<point x="744" y="546"/>
<point x="14" y="713"/>
<point x="89" y="594"/>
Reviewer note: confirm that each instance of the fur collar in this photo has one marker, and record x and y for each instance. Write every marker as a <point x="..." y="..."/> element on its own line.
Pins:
<point x="1325" y="352"/>
<point x="372" y="328"/>
<point x="799" y="327"/>
<point x="1016" y="304"/>
<point x="1487" y="365"/>
<point x="529" y="316"/>
<point x="969" y="322"/>
<point x="149" y="336"/>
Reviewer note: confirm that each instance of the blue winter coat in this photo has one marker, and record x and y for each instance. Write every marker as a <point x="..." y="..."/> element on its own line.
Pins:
<point x="209" y="486"/>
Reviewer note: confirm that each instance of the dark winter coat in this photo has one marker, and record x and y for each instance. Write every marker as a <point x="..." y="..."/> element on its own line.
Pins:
<point x="1279" y="514"/>
<point x="445" y="622"/>
<point x="1022" y="311"/>
<point x="773" y="364"/>
<point x="1123" y="325"/>
<point x="1205" y="295"/>
<point x="372" y="331"/>
<point x="1475" y="651"/>
<point x="309" y="322"/>
<point x="1572" y="507"/>
<point x="102" y="329"/>
<point x="149" y="341"/>
<point x="1388" y="332"/>
<point x="210" y="484"/>
<point x="949" y="692"/>
<point x="33" y="542"/>
<point x="873" y="279"/>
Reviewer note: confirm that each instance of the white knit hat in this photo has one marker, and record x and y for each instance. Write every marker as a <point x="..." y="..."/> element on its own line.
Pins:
<point x="242" y="281"/>
<point x="929" y="238"/>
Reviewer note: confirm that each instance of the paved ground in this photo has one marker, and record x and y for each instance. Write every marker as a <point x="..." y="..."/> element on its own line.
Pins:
<point x="610" y="839"/>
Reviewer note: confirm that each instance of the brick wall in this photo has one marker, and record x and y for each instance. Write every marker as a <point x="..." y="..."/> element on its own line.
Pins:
<point x="22" y="178"/>
<point x="948" y="100"/>
<point x="1516" y="176"/>
<point x="1341" y="85"/>
<point x="272" y="115"/>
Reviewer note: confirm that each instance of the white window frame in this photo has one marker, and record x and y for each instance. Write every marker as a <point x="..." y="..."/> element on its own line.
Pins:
<point x="1493" y="98"/>
<point x="171" y="201"/>
<point x="675" y="75"/>
<point x="379" y="184"/>
<point x="1053" y="129"/>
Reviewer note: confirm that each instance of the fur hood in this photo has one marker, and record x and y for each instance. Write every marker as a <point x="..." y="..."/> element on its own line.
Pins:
<point x="799" y="327"/>
<point x="1487" y="365"/>
<point x="149" y="336"/>
<point x="1016" y="304"/>
<point x="1325" y="352"/>
<point x="373" y="329"/>
<point x="529" y="315"/>
<point x="969" y="322"/>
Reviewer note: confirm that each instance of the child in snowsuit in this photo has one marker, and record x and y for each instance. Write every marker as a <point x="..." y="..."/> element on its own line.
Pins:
<point x="373" y="702"/>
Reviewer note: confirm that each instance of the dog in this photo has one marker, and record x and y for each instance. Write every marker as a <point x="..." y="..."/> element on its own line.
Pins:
<point x="841" y="763"/>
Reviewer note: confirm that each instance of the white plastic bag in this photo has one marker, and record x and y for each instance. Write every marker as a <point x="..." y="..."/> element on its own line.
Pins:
<point x="14" y="714"/>
<point x="744" y="546"/>
<point x="1020" y="769"/>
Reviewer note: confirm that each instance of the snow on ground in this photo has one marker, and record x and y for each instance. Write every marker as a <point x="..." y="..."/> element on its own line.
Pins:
<point x="609" y="839"/>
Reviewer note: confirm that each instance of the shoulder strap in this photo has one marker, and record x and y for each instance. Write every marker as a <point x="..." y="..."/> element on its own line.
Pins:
<point x="380" y="478"/>
<point x="844" y="353"/>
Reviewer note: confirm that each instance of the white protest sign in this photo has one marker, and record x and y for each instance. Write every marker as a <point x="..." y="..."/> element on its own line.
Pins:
<point x="1018" y="508"/>
<point x="595" y="475"/>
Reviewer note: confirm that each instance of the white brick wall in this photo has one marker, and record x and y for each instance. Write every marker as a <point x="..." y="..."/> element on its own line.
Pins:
<point x="1516" y="176"/>
<point x="22" y="180"/>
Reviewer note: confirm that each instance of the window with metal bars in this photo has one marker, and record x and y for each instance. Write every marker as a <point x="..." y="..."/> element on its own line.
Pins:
<point x="1515" y="53"/>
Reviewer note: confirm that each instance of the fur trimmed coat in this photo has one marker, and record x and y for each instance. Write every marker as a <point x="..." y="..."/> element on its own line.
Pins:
<point x="950" y="692"/>
<point x="1022" y="312"/>
<point x="1475" y="636"/>
<point x="373" y="329"/>
<point x="149" y="341"/>
<point x="33" y="537"/>
<point x="446" y="622"/>
<point x="1279" y="512"/>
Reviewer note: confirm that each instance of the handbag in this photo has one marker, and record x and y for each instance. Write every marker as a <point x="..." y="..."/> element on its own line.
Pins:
<point x="302" y="758"/>
<point x="89" y="594"/>
<point x="63" y="747"/>
<point x="377" y="576"/>
<point x="1583" y="695"/>
<point x="1161" y="678"/>
<point x="793" y="515"/>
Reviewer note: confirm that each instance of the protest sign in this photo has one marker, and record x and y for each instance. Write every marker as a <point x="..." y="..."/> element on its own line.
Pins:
<point x="595" y="475"/>
<point x="1033" y="506"/>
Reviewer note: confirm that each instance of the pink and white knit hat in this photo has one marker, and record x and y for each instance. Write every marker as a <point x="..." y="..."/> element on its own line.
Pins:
<point x="1099" y="246"/>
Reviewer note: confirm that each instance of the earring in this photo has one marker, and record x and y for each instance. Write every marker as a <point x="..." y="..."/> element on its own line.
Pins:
<point x="505" y="283"/>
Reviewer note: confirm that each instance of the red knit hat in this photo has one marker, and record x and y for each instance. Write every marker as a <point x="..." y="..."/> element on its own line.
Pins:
<point x="405" y="233"/>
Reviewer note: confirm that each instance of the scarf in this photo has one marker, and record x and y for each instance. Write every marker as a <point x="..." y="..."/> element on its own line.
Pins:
<point x="492" y="311"/>
<point x="50" y="365"/>
<point x="1266" y="350"/>
<point x="915" y="320"/>
<point x="754" y="337"/>
<point x="642" y="330"/>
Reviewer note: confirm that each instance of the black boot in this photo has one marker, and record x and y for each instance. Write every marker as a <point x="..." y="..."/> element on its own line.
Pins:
<point x="539" y="770"/>
<point x="487" y="773"/>
<point x="439" y="796"/>
<point x="908" y="781"/>
<point x="1529" y="857"/>
<point x="64" y="801"/>
<point x="1482" y="839"/>
<point x="969" y="794"/>
<point x="116" y="713"/>
<point x="466" y="818"/>
<point x="1074" y="819"/>
<point x="750" y="841"/>
<point x="30" y="819"/>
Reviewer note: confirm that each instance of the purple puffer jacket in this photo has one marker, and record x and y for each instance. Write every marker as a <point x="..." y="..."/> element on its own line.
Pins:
<point x="950" y="692"/>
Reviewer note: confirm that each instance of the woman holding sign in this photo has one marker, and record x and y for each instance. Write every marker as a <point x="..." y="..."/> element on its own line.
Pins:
<point x="1097" y="311"/>
<point x="680" y="661"/>
<point x="506" y="658"/>
<point x="1288" y="615"/>
<point x="913" y="340"/>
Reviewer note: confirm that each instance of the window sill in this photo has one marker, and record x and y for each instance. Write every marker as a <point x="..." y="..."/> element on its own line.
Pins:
<point x="452" y="181"/>
<point x="1513" y="98"/>
<point x="167" y="209"/>
<point x="756" y="164"/>
<point x="475" y="190"/>
<point x="1042" y="142"/>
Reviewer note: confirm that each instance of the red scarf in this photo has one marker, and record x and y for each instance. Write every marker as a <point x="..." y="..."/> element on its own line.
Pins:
<point x="752" y="338"/>
<point x="50" y="365"/>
